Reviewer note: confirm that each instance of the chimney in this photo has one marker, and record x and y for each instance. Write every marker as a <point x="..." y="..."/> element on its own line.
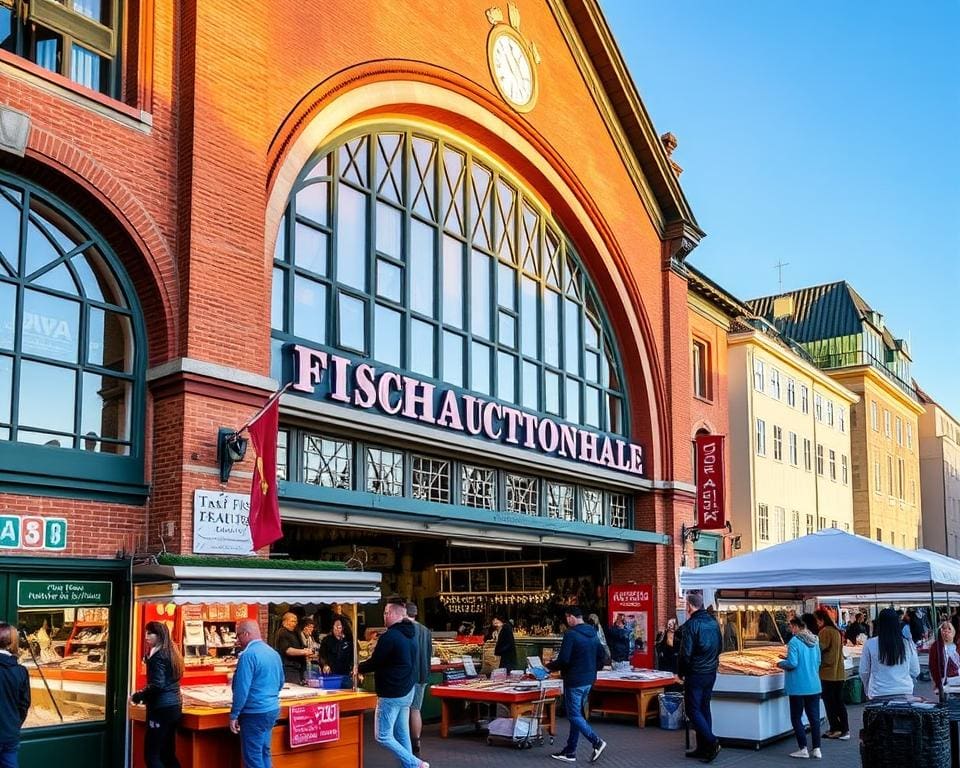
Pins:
<point x="783" y="307"/>
<point x="669" y="142"/>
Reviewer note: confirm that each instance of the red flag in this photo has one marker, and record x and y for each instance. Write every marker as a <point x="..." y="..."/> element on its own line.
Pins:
<point x="264" y="505"/>
<point x="711" y="486"/>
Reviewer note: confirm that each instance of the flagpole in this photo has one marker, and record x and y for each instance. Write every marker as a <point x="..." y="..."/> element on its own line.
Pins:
<point x="266" y="405"/>
<point x="231" y="447"/>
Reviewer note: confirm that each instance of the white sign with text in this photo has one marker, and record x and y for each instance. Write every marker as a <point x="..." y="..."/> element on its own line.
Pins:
<point x="221" y="523"/>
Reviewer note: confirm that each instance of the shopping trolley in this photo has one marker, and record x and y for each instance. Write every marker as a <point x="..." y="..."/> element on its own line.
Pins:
<point x="525" y="730"/>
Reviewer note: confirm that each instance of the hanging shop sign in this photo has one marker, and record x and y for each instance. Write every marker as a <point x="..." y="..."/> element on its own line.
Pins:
<point x="314" y="724"/>
<point x="635" y="603"/>
<point x="33" y="532"/>
<point x="710" y="482"/>
<point x="361" y="385"/>
<point x="221" y="523"/>
<point x="73" y="594"/>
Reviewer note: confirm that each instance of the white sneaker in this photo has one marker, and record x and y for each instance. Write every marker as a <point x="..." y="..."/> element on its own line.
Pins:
<point x="801" y="753"/>
<point x="816" y="753"/>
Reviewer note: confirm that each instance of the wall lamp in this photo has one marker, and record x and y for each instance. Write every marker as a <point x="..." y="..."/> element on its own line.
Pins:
<point x="468" y="544"/>
<point x="231" y="448"/>
<point x="691" y="533"/>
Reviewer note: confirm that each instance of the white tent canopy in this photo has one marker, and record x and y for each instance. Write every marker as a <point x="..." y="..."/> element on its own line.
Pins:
<point x="828" y="562"/>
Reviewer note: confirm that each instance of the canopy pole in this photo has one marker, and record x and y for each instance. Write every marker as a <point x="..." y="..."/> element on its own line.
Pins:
<point x="934" y="619"/>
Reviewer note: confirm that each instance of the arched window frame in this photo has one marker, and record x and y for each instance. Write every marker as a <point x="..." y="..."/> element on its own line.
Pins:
<point x="73" y="471"/>
<point x="359" y="161"/>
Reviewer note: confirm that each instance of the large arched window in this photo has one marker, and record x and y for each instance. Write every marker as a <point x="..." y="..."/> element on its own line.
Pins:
<point x="71" y="372"/>
<point x="415" y="252"/>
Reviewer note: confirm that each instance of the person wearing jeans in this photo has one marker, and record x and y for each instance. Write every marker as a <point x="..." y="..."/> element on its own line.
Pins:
<point x="392" y="727"/>
<point x="256" y="694"/>
<point x="699" y="658"/>
<point x="697" y="693"/>
<point x="801" y="663"/>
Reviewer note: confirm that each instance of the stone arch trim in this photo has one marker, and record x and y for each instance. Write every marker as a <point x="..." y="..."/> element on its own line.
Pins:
<point x="157" y="265"/>
<point x="422" y="92"/>
<point x="702" y="426"/>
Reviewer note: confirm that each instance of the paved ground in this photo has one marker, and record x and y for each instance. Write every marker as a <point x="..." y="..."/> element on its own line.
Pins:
<point x="629" y="747"/>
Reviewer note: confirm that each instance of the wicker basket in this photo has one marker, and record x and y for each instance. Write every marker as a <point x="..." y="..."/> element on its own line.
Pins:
<point x="904" y="737"/>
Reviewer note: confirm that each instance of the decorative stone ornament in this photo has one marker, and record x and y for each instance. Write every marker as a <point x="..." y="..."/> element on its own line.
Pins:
<point x="14" y="130"/>
<point x="512" y="59"/>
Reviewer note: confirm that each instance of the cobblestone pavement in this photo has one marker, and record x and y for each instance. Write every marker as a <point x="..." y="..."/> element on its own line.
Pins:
<point x="628" y="747"/>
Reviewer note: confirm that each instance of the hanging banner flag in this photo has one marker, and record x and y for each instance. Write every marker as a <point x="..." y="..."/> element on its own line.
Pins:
<point x="264" y="504"/>
<point x="710" y="483"/>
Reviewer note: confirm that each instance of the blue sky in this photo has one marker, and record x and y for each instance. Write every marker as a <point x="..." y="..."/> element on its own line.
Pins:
<point x="825" y="135"/>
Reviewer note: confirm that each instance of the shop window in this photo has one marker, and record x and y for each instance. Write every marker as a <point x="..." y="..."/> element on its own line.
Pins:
<point x="384" y="472"/>
<point x="591" y="501"/>
<point x="328" y="462"/>
<point x="283" y="438"/>
<point x="406" y="249"/>
<point x="618" y="510"/>
<point x="74" y="38"/>
<point x="701" y="369"/>
<point x="523" y="495"/>
<point x="478" y="487"/>
<point x="71" y="367"/>
<point x="560" y="501"/>
<point x="430" y="479"/>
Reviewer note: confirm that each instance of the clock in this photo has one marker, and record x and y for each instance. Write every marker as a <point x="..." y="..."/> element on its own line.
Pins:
<point x="512" y="67"/>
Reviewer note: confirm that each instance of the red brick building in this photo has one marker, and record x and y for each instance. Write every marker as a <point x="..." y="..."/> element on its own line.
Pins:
<point x="459" y="223"/>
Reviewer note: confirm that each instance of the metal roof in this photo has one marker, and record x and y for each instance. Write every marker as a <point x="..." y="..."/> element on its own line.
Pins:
<point x="820" y="312"/>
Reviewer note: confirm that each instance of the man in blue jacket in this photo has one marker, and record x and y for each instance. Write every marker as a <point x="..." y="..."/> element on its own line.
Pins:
<point x="581" y="655"/>
<point x="256" y="694"/>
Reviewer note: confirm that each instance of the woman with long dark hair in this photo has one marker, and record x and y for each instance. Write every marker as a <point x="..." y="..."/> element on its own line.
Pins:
<point x="161" y="696"/>
<point x="832" y="675"/>
<point x="889" y="663"/>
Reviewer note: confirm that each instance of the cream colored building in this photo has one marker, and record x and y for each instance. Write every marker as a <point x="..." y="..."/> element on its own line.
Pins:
<point x="790" y="449"/>
<point x="939" y="477"/>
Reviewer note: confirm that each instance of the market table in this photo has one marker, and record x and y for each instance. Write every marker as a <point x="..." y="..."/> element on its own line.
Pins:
<point x="629" y="693"/>
<point x="518" y="700"/>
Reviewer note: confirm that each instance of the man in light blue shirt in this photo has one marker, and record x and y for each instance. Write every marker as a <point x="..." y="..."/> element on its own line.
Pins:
<point x="256" y="689"/>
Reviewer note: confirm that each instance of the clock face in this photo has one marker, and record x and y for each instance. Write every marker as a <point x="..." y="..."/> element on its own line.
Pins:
<point x="512" y="70"/>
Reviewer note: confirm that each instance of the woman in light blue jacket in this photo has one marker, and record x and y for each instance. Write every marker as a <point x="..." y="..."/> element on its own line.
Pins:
<point x="802" y="685"/>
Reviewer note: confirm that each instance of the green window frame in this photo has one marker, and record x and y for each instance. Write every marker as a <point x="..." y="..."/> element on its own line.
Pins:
<point x="72" y="355"/>
<point x="411" y="250"/>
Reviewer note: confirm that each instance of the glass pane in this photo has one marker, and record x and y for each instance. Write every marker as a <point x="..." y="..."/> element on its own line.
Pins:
<point x="389" y="162"/>
<point x="422" y="352"/>
<point x="386" y="335"/>
<point x="91" y="9"/>
<point x="480" y="368"/>
<point x="529" y="320"/>
<point x="389" y="280"/>
<point x="312" y="202"/>
<point x="352" y="317"/>
<point x="278" y="300"/>
<point x="40" y="250"/>
<point x="452" y="282"/>
<point x="280" y="246"/>
<point x="506" y="377"/>
<point x="110" y="340"/>
<point x="451" y="190"/>
<point x="592" y="332"/>
<point x="95" y="277"/>
<point x="507" y="329"/>
<point x="453" y="358"/>
<point x="573" y="401"/>
<point x="506" y="286"/>
<point x="571" y="336"/>
<point x="351" y="237"/>
<point x="614" y="414"/>
<point x="321" y="168"/>
<point x="47" y="395"/>
<point x="353" y="161"/>
<point x="8" y="308"/>
<point x="48" y="49"/>
<point x="311" y="249"/>
<point x="58" y="279"/>
<point x="51" y="326"/>
<point x="421" y="177"/>
<point x="480" y="294"/>
<point x="85" y="67"/>
<point x="551" y="392"/>
<point x="309" y="309"/>
<point x="104" y="410"/>
<point x="9" y="225"/>
<point x="592" y="363"/>
<point x="531" y="385"/>
<point x="422" y="267"/>
<point x="592" y="408"/>
<point x="482" y="201"/>
<point x="551" y="328"/>
<point x="389" y="230"/>
<point x="6" y="387"/>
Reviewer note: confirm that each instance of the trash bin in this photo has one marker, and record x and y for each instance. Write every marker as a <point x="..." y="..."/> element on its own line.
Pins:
<point x="671" y="711"/>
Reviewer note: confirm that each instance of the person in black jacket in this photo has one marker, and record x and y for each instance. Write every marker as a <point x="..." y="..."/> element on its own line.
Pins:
<point x="290" y="646"/>
<point x="394" y="661"/>
<point x="618" y="638"/>
<point x="14" y="696"/>
<point x="581" y="655"/>
<point x="336" y="651"/>
<point x="700" y="644"/>
<point x="506" y="648"/>
<point x="162" y="697"/>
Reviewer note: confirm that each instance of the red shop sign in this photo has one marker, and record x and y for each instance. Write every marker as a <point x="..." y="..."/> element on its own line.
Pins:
<point x="635" y="602"/>
<point x="710" y="483"/>
<point x="314" y="723"/>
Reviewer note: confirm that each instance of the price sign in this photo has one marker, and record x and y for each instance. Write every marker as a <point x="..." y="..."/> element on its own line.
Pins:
<point x="314" y="724"/>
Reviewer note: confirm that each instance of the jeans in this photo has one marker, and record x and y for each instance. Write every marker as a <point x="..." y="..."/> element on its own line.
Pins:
<point x="160" y="739"/>
<point x="836" y="709"/>
<point x="256" y="730"/>
<point x="8" y="754"/>
<point x="811" y="705"/>
<point x="697" y="692"/>
<point x="391" y="728"/>
<point x="573" y="701"/>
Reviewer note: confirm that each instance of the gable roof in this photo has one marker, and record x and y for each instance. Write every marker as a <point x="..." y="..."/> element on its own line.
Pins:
<point x="819" y="312"/>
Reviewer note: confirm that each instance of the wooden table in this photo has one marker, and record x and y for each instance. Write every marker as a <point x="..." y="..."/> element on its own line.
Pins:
<point x="628" y="697"/>
<point x="519" y="702"/>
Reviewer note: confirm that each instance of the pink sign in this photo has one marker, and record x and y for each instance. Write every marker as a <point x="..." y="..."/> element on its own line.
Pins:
<point x="314" y="724"/>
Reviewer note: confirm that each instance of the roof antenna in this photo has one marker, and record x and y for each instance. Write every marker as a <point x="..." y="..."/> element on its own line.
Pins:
<point x="779" y="267"/>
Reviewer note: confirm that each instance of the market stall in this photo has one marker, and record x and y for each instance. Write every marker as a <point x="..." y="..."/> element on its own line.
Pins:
<point x="632" y="692"/>
<point x="201" y="605"/>
<point x="517" y="695"/>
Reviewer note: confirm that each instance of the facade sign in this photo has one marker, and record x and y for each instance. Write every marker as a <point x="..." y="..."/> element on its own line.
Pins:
<point x="314" y="724"/>
<point x="635" y="603"/>
<point x="33" y="532"/>
<point x="70" y="594"/>
<point x="221" y="523"/>
<point x="710" y="483"/>
<point x="361" y="385"/>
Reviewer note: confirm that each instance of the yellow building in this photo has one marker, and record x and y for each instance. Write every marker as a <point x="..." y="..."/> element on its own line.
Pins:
<point x="789" y="440"/>
<point x="847" y="338"/>
<point x="939" y="441"/>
